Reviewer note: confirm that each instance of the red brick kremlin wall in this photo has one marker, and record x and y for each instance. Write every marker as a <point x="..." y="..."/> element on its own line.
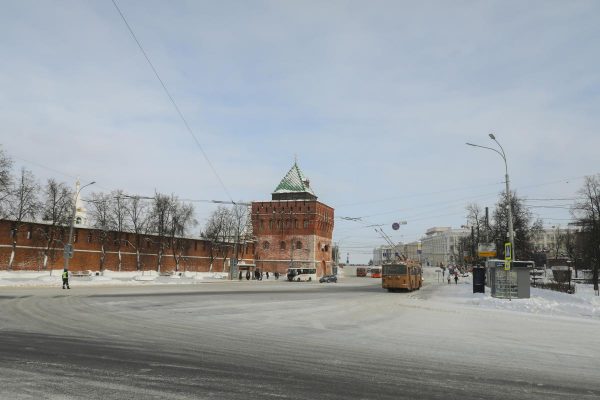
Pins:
<point x="31" y="244"/>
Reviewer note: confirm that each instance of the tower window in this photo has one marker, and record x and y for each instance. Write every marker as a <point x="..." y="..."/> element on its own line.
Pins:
<point x="282" y="245"/>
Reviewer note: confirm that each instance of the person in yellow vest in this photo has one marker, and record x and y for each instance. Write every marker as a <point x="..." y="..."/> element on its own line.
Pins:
<point x="65" y="278"/>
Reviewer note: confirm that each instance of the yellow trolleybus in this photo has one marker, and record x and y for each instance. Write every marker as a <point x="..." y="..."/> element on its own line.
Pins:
<point x="401" y="275"/>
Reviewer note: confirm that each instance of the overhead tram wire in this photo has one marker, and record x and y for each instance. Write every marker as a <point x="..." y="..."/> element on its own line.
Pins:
<point x="416" y="195"/>
<point x="459" y="189"/>
<point x="129" y="196"/>
<point x="187" y="125"/>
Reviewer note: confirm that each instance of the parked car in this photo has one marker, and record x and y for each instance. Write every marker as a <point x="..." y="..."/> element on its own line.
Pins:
<point x="328" y="279"/>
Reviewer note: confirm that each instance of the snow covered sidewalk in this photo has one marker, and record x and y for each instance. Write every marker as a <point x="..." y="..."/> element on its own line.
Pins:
<point x="581" y="304"/>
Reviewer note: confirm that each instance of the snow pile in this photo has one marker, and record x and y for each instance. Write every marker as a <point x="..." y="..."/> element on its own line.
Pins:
<point x="107" y="277"/>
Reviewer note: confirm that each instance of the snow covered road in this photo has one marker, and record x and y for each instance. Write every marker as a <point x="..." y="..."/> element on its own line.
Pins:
<point x="257" y="340"/>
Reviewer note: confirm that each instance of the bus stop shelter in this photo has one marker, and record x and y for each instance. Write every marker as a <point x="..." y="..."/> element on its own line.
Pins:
<point x="511" y="284"/>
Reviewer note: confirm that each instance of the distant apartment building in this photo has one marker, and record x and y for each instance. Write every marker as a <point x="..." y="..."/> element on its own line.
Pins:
<point x="441" y="245"/>
<point x="552" y="241"/>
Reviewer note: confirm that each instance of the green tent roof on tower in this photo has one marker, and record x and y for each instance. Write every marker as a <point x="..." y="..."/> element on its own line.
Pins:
<point x="294" y="186"/>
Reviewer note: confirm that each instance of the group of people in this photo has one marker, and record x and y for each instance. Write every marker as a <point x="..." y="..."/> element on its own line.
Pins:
<point x="453" y="270"/>
<point x="455" y="278"/>
<point x="258" y="275"/>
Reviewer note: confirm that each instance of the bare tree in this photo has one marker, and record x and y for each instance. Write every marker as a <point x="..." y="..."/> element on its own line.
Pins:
<point x="137" y="218"/>
<point x="475" y="218"/>
<point x="241" y="226"/>
<point x="5" y="183"/>
<point x="118" y="210"/>
<point x="103" y="221"/>
<point x="587" y="212"/>
<point x="559" y="240"/>
<point x="218" y="232"/>
<point x="160" y="217"/>
<point x="24" y="206"/>
<point x="573" y="247"/>
<point x="181" y="219"/>
<point x="56" y="212"/>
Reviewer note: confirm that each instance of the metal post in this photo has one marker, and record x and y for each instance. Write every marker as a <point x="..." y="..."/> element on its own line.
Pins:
<point x="511" y="234"/>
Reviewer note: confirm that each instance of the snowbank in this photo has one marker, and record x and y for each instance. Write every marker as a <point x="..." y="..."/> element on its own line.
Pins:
<point x="108" y="277"/>
<point x="542" y="301"/>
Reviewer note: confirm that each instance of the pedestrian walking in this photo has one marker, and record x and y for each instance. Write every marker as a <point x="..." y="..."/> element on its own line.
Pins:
<point x="448" y="279"/>
<point x="248" y="275"/>
<point x="240" y="277"/>
<point x="65" y="279"/>
<point x="456" y="279"/>
<point x="267" y="274"/>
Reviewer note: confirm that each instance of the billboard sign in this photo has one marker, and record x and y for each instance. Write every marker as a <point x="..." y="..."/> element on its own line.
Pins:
<point x="486" y="250"/>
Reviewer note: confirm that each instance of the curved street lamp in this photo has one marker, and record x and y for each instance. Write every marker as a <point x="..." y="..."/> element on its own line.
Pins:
<point x="511" y="233"/>
<point x="69" y="246"/>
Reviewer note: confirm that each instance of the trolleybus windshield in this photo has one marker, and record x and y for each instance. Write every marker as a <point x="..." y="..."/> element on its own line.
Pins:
<point x="394" y="269"/>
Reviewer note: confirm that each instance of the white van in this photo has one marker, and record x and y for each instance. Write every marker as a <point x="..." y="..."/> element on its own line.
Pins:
<point x="302" y="274"/>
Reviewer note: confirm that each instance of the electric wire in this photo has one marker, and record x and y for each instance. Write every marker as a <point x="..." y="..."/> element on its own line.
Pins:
<point x="168" y="93"/>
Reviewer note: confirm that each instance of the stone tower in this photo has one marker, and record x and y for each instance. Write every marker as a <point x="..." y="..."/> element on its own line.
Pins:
<point x="293" y="229"/>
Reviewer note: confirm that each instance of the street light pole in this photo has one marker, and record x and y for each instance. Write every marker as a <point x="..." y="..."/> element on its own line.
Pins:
<point x="69" y="246"/>
<point x="511" y="233"/>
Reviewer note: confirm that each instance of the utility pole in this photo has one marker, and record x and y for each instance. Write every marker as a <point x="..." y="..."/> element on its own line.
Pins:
<point x="511" y="233"/>
<point x="472" y="243"/>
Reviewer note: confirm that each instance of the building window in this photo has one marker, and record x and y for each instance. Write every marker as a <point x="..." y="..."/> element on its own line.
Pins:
<point x="326" y="247"/>
<point x="89" y="237"/>
<point x="75" y="236"/>
<point x="282" y="245"/>
<point x="271" y="224"/>
<point x="195" y="245"/>
<point x="298" y="245"/>
<point x="266" y="245"/>
<point x="262" y="224"/>
<point x="78" y="221"/>
<point x="296" y="224"/>
<point x="306" y="223"/>
<point x="29" y="234"/>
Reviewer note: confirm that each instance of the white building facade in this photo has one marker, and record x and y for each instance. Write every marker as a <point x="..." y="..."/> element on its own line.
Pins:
<point x="440" y="245"/>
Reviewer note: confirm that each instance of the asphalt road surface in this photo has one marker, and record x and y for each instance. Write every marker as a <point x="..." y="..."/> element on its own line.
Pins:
<point x="261" y="340"/>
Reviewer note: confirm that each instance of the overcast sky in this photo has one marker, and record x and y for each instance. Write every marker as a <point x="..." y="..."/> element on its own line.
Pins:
<point x="376" y="99"/>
